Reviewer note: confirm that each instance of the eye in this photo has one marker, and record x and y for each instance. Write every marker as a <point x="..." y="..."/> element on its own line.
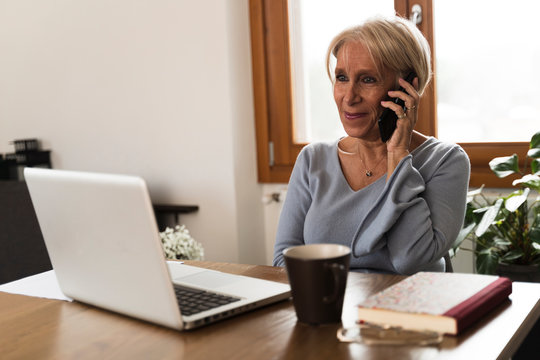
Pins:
<point x="369" y="80"/>
<point x="341" y="78"/>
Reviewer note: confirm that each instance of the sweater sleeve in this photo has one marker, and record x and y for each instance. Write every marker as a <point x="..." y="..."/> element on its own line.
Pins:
<point x="290" y="231"/>
<point x="417" y="219"/>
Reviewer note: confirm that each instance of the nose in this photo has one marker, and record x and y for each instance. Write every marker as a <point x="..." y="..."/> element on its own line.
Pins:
<point x="352" y="94"/>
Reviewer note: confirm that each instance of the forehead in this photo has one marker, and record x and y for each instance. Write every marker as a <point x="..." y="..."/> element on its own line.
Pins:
<point x="353" y="55"/>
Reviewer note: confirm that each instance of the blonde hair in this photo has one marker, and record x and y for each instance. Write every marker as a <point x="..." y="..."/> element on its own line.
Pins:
<point x="393" y="43"/>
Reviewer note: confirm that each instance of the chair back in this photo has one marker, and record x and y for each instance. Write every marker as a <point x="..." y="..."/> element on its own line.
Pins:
<point x="448" y="266"/>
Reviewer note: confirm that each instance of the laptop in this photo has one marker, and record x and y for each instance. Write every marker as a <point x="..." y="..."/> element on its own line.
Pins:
<point x="104" y="244"/>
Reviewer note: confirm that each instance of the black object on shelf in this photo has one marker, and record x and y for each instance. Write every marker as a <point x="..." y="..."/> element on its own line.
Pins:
<point x="31" y="158"/>
<point x="27" y="154"/>
<point x="165" y="212"/>
<point x="25" y="145"/>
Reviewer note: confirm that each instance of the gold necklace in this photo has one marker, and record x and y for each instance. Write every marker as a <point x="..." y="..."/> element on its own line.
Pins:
<point x="369" y="173"/>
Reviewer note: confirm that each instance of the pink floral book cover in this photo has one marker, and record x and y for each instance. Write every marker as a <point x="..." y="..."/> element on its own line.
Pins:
<point x="429" y="292"/>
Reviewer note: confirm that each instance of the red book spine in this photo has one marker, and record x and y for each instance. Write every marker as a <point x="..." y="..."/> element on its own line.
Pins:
<point x="470" y="310"/>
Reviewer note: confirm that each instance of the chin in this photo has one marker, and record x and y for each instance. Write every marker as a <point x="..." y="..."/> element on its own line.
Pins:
<point x="356" y="133"/>
<point x="363" y="135"/>
<point x="366" y="132"/>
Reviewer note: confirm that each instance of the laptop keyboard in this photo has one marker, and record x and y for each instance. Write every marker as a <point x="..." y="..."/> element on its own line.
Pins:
<point x="193" y="301"/>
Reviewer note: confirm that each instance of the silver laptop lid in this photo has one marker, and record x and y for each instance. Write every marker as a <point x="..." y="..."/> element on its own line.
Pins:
<point x="104" y="243"/>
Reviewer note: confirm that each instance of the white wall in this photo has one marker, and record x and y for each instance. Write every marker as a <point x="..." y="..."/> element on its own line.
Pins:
<point x="160" y="88"/>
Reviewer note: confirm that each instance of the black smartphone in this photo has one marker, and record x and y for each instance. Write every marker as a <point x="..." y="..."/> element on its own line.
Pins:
<point x="388" y="119"/>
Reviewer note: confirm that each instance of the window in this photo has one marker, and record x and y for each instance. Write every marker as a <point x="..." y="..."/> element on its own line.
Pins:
<point x="277" y="142"/>
<point x="487" y="76"/>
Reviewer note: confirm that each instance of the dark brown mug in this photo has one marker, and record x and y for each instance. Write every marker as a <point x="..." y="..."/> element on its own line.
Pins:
<point x="318" y="277"/>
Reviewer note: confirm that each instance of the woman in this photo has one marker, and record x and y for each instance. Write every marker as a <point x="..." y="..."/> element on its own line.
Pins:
<point x="399" y="205"/>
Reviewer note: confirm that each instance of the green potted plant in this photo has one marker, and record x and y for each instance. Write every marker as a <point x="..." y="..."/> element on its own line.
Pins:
<point x="505" y="231"/>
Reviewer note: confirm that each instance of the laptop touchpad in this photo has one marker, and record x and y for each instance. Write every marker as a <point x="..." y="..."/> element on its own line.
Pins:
<point x="208" y="279"/>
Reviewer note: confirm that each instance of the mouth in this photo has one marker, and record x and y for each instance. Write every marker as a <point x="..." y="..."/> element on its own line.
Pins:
<point x="354" y="116"/>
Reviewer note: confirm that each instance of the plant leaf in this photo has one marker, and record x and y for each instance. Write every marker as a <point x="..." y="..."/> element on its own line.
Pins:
<point x="505" y="165"/>
<point x="482" y="210"/>
<point x="530" y="181"/>
<point x="534" y="234"/>
<point x="512" y="255"/>
<point x="535" y="166"/>
<point x="514" y="201"/>
<point x="535" y="141"/>
<point x="486" y="262"/>
<point x="498" y="242"/>
<point x="488" y="218"/>
<point x="475" y="192"/>
<point x="463" y="233"/>
<point x="534" y="153"/>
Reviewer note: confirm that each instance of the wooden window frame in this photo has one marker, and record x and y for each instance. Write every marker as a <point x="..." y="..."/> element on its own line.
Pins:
<point x="272" y="86"/>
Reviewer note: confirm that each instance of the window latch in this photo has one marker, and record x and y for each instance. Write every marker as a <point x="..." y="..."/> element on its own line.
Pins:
<point x="416" y="14"/>
<point x="271" y="161"/>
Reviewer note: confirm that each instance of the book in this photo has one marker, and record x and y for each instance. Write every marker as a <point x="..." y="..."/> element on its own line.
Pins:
<point x="440" y="302"/>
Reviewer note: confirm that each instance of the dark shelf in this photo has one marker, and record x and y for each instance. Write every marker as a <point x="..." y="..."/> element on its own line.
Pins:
<point x="164" y="212"/>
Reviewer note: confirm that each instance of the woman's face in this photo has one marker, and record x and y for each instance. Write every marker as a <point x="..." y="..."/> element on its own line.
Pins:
<point x="359" y="90"/>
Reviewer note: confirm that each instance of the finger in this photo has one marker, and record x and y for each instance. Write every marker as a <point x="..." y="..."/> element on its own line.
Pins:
<point x="410" y="108"/>
<point x="409" y="117"/>
<point x="411" y="90"/>
<point x="407" y="99"/>
<point x="395" y="108"/>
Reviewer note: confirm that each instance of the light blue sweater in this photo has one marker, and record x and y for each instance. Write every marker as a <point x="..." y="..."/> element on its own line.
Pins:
<point x="403" y="225"/>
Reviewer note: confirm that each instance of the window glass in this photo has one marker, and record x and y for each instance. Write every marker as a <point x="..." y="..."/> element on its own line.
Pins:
<point x="313" y="24"/>
<point x="488" y="69"/>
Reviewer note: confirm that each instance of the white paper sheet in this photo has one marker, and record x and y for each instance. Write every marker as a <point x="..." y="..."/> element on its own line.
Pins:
<point x="44" y="285"/>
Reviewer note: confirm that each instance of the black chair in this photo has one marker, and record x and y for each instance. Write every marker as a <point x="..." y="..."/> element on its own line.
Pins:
<point x="22" y="249"/>
<point x="448" y="261"/>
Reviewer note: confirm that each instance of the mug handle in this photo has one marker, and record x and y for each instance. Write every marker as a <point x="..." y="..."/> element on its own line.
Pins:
<point x="336" y="269"/>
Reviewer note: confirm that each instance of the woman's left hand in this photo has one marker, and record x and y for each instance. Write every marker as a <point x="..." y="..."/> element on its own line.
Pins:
<point x="400" y="141"/>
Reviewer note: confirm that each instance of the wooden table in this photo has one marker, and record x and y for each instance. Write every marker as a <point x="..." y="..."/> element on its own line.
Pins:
<point x="33" y="328"/>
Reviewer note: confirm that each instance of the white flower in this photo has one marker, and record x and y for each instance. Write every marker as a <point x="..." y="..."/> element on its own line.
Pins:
<point x="179" y="245"/>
